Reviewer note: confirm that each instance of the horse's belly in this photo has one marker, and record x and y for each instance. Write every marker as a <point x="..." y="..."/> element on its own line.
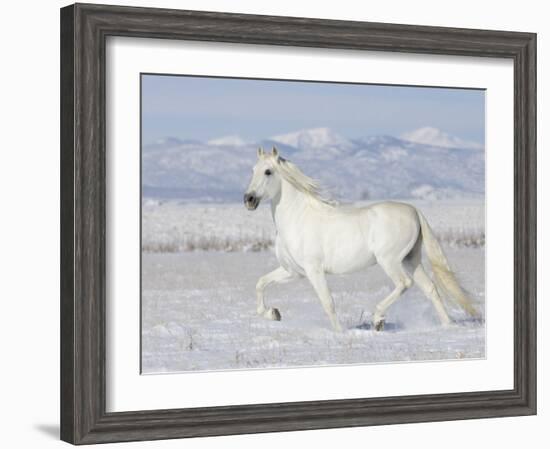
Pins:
<point x="345" y="248"/>
<point x="348" y="261"/>
<point x="340" y="262"/>
<point x="338" y="247"/>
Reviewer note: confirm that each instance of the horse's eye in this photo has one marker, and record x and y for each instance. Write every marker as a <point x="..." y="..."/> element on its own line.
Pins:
<point x="267" y="172"/>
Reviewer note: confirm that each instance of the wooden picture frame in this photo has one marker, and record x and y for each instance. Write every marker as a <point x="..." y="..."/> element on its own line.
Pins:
<point x="84" y="29"/>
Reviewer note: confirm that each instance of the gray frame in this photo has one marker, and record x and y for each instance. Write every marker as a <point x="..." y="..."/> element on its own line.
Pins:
<point x="84" y="29"/>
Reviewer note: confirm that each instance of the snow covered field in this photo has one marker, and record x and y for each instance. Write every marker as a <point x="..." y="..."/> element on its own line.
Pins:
<point x="200" y="265"/>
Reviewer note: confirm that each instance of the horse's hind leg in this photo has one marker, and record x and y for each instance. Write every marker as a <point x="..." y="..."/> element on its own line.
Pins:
<point x="402" y="282"/>
<point x="274" y="277"/>
<point x="428" y="287"/>
<point x="425" y="283"/>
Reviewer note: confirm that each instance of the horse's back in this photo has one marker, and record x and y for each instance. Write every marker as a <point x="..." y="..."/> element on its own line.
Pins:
<point x="393" y="210"/>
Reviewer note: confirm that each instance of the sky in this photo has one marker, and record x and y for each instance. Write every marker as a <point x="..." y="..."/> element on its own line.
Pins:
<point x="204" y="108"/>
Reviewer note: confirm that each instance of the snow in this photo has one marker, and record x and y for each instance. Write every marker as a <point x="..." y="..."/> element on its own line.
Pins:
<point x="200" y="265"/>
<point x="198" y="312"/>
<point x="435" y="137"/>
<point x="233" y="140"/>
<point x="313" y="138"/>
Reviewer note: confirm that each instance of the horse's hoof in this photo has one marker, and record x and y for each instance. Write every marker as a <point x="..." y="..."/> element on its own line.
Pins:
<point x="273" y="314"/>
<point x="379" y="325"/>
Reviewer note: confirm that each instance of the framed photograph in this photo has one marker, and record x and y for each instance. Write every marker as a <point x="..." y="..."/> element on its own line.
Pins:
<point x="275" y="223"/>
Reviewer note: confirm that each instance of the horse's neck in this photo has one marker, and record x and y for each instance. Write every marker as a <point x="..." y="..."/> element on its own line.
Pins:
<point x="288" y="205"/>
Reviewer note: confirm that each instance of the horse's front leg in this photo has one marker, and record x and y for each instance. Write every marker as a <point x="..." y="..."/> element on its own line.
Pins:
<point x="319" y="282"/>
<point x="275" y="277"/>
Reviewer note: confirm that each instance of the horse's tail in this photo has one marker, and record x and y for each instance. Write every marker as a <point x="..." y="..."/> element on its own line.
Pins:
<point x="444" y="276"/>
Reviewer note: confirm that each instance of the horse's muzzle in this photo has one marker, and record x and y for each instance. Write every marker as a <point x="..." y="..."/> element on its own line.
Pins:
<point x="251" y="201"/>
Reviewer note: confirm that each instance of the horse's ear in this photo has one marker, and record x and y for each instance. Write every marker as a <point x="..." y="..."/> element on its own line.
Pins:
<point x="261" y="152"/>
<point x="274" y="152"/>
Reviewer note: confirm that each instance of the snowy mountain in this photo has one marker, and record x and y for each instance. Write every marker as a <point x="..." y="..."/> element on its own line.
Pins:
<point x="438" y="138"/>
<point x="313" y="139"/>
<point x="428" y="163"/>
<point x="235" y="141"/>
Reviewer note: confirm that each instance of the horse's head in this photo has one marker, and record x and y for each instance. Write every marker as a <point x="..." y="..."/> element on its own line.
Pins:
<point x="265" y="182"/>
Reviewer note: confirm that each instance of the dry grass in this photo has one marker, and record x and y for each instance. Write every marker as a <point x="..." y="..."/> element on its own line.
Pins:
<point x="455" y="238"/>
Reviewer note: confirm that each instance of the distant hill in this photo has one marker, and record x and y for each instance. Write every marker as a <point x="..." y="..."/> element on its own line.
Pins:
<point x="426" y="163"/>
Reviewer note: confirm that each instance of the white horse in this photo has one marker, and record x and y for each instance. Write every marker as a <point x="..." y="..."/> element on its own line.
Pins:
<point x="316" y="237"/>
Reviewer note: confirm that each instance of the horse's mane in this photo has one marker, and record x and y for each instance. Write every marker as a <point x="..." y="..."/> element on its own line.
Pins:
<point x="303" y="183"/>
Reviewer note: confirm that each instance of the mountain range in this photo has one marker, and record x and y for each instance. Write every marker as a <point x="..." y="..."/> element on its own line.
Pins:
<point x="426" y="163"/>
